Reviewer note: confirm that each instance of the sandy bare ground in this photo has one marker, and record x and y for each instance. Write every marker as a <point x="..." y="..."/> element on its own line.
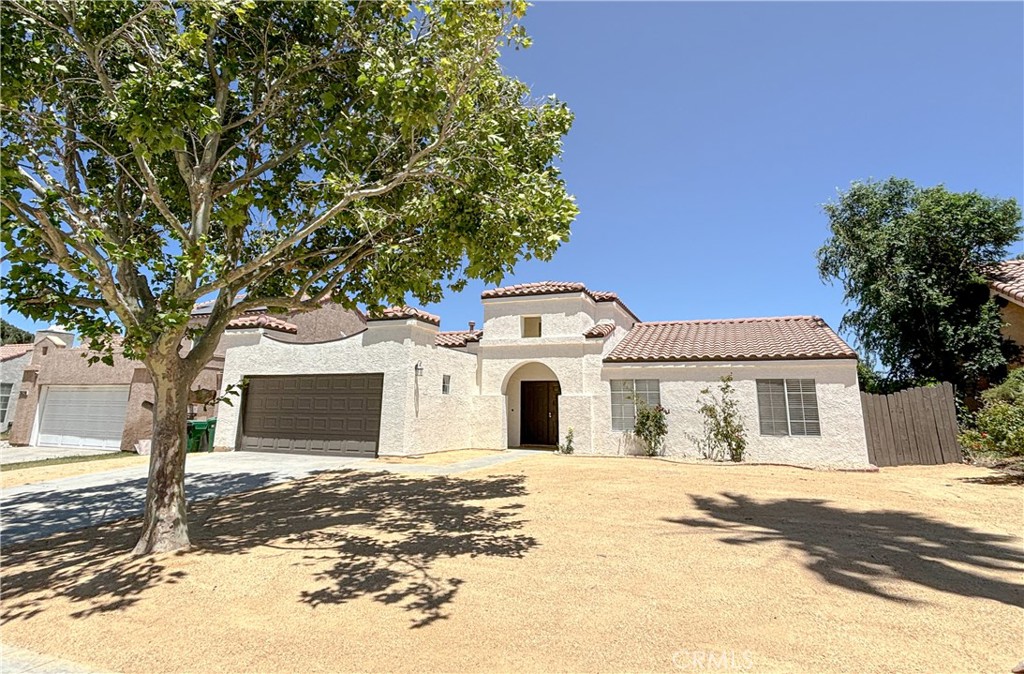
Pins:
<point x="18" y="477"/>
<point x="441" y="458"/>
<point x="551" y="563"/>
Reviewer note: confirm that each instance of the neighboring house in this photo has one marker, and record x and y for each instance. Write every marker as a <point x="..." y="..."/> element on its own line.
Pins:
<point x="550" y="357"/>
<point x="1007" y="285"/>
<point x="63" y="401"/>
<point x="13" y="359"/>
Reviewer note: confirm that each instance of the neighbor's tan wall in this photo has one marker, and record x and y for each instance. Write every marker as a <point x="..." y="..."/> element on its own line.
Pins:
<point x="61" y="366"/>
<point x="1013" y="317"/>
<point x="69" y="367"/>
<point x="327" y="323"/>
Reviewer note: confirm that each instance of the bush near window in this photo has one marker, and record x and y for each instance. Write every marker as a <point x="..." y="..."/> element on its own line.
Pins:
<point x="999" y="424"/>
<point x="724" y="434"/>
<point x="651" y="426"/>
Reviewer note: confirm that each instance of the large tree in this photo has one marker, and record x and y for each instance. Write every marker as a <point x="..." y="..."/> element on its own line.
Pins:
<point x="912" y="264"/>
<point x="274" y="154"/>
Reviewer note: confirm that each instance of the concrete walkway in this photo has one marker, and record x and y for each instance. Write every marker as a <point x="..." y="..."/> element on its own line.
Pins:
<point x="14" y="660"/>
<point x="42" y="509"/>
<point x="10" y="454"/>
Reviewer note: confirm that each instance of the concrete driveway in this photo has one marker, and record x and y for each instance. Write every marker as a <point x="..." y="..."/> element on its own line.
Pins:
<point x="45" y="508"/>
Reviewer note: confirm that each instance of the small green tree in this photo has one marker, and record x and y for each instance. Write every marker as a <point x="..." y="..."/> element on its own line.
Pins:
<point x="651" y="426"/>
<point x="724" y="434"/>
<point x="912" y="265"/>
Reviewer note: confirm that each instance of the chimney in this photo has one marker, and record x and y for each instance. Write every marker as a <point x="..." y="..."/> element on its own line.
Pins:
<point x="472" y="326"/>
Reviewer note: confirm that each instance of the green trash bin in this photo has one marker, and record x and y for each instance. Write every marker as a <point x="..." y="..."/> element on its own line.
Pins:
<point x="200" y="435"/>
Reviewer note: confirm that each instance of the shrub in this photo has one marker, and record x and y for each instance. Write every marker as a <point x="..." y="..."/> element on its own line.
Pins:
<point x="566" y="448"/>
<point x="651" y="426"/>
<point x="999" y="424"/>
<point x="724" y="434"/>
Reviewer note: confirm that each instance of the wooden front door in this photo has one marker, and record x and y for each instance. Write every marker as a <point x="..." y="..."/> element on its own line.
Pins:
<point x="538" y="406"/>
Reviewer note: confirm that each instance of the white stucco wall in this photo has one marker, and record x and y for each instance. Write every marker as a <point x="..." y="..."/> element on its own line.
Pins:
<point x="11" y="372"/>
<point x="841" y="444"/>
<point x="415" y="418"/>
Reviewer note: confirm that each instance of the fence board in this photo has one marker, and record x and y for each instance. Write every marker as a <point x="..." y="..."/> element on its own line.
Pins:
<point x="915" y="426"/>
<point x="888" y="433"/>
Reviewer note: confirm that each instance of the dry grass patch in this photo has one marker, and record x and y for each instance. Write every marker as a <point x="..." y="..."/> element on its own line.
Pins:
<point x="17" y="474"/>
<point x="549" y="563"/>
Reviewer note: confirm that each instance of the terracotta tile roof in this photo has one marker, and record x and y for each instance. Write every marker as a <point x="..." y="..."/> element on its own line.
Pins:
<point x="600" y="330"/>
<point x="1008" y="279"/>
<point x="782" y="338"/>
<point x="11" y="351"/>
<point x="554" y="288"/>
<point x="404" y="312"/>
<point x="262" y="321"/>
<point x="458" y="338"/>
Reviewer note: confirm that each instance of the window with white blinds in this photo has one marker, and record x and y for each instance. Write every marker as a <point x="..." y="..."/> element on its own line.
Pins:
<point x="788" y="407"/>
<point x="625" y="393"/>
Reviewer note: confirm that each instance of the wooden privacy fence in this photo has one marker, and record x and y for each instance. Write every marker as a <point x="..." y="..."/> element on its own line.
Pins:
<point x="912" y="427"/>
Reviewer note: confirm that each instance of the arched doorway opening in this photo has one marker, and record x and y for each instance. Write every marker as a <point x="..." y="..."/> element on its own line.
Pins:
<point x="531" y="401"/>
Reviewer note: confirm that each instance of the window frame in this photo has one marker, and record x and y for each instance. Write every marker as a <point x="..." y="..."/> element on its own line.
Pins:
<point x="808" y="422"/>
<point x="540" y="327"/>
<point x="5" y="400"/>
<point x="618" y="421"/>
<point x="446" y="384"/>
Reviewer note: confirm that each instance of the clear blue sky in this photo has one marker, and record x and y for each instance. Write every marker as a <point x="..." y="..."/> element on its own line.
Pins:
<point x="708" y="135"/>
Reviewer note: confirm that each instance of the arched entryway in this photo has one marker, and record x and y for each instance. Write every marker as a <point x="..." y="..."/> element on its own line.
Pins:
<point x="531" y="401"/>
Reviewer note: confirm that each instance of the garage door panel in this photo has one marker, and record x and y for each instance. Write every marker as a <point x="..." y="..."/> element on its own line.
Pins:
<point x="83" y="416"/>
<point x="337" y="414"/>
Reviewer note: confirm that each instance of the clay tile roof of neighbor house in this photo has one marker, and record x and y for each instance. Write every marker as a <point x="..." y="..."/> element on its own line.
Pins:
<point x="458" y="338"/>
<point x="600" y="330"/>
<point x="9" y="351"/>
<point x="262" y="321"/>
<point x="783" y="338"/>
<point x="1008" y="279"/>
<point x="554" y="288"/>
<point x="405" y="312"/>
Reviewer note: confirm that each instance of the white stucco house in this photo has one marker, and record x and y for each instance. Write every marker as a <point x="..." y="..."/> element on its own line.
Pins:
<point x="550" y="357"/>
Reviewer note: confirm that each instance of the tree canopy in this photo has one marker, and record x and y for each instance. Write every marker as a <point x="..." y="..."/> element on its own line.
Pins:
<point x="12" y="334"/>
<point x="912" y="264"/>
<point x="276" y="154"/>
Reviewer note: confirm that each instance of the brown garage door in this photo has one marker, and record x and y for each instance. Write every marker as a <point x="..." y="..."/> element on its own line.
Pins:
<point x="329" y="414"/>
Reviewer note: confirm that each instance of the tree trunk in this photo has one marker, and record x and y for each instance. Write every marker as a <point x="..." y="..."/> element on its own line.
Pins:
<point x="165" y="527"/>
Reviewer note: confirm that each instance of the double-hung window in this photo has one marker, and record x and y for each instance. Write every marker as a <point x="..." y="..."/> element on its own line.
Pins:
<point x="788" y="407"/>
<point x="625" y="393"/>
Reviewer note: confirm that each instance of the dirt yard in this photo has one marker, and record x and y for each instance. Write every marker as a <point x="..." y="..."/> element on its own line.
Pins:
<point x="441" y="458"/>
<point x="552" y="563"/>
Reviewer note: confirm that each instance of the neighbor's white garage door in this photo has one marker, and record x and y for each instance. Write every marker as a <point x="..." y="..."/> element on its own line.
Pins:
<point x="83" y="416"/>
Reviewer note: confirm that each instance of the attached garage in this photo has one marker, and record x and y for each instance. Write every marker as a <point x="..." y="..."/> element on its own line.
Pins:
<point x="82" y="416"/>
<point x="328" y="413"/>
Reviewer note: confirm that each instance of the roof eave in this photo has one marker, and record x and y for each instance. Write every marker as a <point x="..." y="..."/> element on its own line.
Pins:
<point x="731" y="359"/>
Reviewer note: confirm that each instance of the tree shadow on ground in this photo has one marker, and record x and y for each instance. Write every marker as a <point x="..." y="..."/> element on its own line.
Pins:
<point x="361" y="534"/>
<point x="865" y="551"/>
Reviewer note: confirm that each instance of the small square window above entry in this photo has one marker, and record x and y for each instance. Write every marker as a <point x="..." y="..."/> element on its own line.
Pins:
<point x="531" y="326"/>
